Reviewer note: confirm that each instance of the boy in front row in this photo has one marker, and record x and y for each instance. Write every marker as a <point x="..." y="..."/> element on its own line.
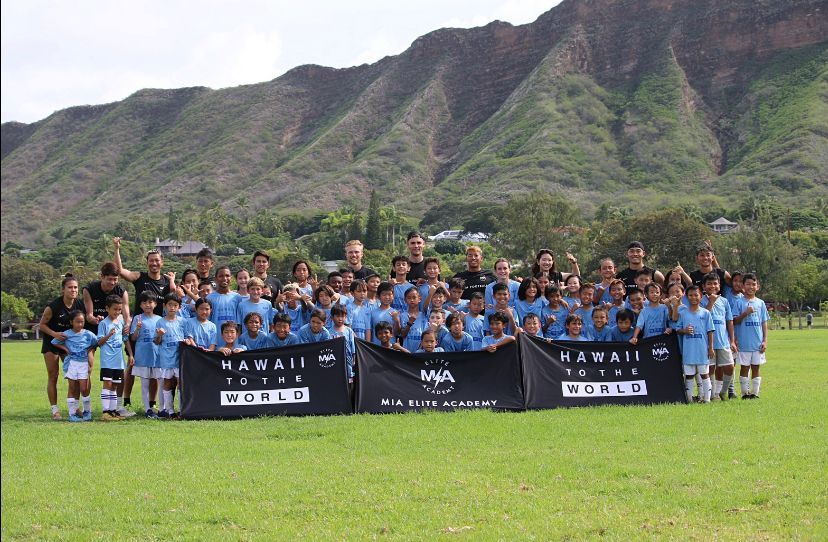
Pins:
<point x="695" y="327"/>
<point x="111" y="341"/>
<point x="751" y="336"/>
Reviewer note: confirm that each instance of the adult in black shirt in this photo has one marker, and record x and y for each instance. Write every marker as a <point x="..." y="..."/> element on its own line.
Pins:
<point x="261" y="264"/>
<point x="96" y="292"/>
<point x="706" y="260"/>
<point x="475" y="278"/>
<point x="204" y="264"/>
<point x="353" y="254"/>
<point x="416" y="260"/>
<point x="635" y="259"/>
<point x="55" y="320"/>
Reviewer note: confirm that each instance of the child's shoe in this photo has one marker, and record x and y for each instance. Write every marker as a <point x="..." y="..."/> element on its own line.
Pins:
<point x="75" y="418"/>
<point x="87" y="416"/>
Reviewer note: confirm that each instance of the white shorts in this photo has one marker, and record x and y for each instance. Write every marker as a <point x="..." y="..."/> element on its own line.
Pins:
<point x="146" y="372"/>
<point x="168" y="373"/>
<point x="751" y="358"/>
<point x="691" y="370"/>
<point x="77" y="371"/>
<point x="722" y="357"/>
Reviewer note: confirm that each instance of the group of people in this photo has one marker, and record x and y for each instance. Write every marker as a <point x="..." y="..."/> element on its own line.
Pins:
<point x="717" y="315"/>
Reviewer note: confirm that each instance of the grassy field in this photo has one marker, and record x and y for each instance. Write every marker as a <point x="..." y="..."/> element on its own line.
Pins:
<point x="727" y="471"/>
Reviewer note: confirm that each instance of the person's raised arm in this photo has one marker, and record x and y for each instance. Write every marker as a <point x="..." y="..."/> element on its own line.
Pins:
<point x="126" y="274"/>
<point x="576" y="270"/>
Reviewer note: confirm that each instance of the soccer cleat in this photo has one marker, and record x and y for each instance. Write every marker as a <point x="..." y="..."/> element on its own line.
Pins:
<point x="75" y="418"/>
<point x="56" y="415"/>
<point x="87" y="416"/>
<point x="731" y="394"/>
<point x="723" y="395"/>
<point x="163" y="415"/>
<point x="110" y="417"/>
<point x="125" y="413"/>
<point x="150" y="413"/>
<point x="747" y="396"/>
<point x="696" y="399"/>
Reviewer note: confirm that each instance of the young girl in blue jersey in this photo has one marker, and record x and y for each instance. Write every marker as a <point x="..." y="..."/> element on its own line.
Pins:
<point x="572" y="289"/>
<point x="412" y="321"/>
<point x="142" y="333"/>
<point x="169" y="334"/>
<point x="79" y="346"/>
<point x="254" y="337"/>
<point x="457" y="340"/>
<point x="199" y="331"/>
<point x="302" y="273"/>
<point x="574" y="324"/>
<point x="529" y="299"/>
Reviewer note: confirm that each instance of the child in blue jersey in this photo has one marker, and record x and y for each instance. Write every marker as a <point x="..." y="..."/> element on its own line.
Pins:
<point x="199" y="331"/>
<point x="497" y="337"/>
<point x="501" y="305"/>
<point x="584" y="310"/>
<point x="457" y="340"/>
<point x="254" y="337"/>
<point x="635" y="303"/>
<point x="751" y="336"/>
<point x="617" y="292"/>
<point x="359" y="313"/>
<point x="142" y="333"/>
<point x="323" y="298"/>
<point x="455" y="302"/>
<point x="169" y="334"/>
<point x="79" y="346"/>
<point x="314" y="331"/>
<point x="412" y="322"/>
<point x="255" y="303"/>
<point x="695" y="329"/>
<point x="347" y="280"/>
<point x="474" y="321"/>
<point x="243" y="283"/>
<point x="302" y="274"/>
<point x="297" y="305"/>
<point x="602" y="292"/>
<point x="543" y="284"/>
<point x="572" y="289"/>
<point x="503" y="272"/>
<point x="230" y="337"/>
<point x="574" y="326"/>
<point x="529" y="299"/>
<point x="724" y="343"/>
<point x="188" y="291"/>
<point x="531" y="325"/>
<point x="622" y="332"/>
<point x="554" y="313"/>
<point x="601" y="331"/>
<point x="223" y="301"/>
<point x="735" y="293"/>
<point x="433" y="284"/>
<point x="428" y="344"/>
<point x="384" y="312"/>
<point x="111" y="342"/>
<point x="372" y="283"/>
<point x="339" y="329"/>
<point x="399" y="269"/>
<point x="654" y="316"/>
<point x="436" y="323"/>
<point x="282" y="335"/>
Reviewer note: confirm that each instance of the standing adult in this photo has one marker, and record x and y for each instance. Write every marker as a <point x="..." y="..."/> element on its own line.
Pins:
<point x="635" y="263"/>
<point x="416" y="272"/>
<point x="143" y="281"/>
<point x="204" y="264"/>
<point x="261" y="265"/>
<point x="96" y="292"/>
<point x="353" y="254"/>
<point x="475" y="278"/>
<point x="55" y="320"/>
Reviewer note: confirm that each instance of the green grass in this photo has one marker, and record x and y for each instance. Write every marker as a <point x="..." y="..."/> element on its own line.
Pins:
<point x="730" y="471"/>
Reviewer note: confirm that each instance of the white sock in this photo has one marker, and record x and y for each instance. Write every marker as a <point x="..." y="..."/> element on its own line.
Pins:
<point x="119" y="402"/>
<point x="72" y="405"/>
<point x="698" y="380"/>
<point x="688" y="388"/>
<point x="717" y="386"/>
<point x="756" y="382"/>
<point x="167" y="401"/>
<point x="87" y="403"/>
<point x="744" y="383"/>
<point x="105" y="400"/>
<point x="727" y="381"/>
<point x="55" y="409"/>
<point x="705" y="390"/>
<point x="145" y="392"/>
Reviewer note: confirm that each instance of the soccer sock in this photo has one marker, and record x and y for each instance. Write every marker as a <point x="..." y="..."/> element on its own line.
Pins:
<point x="55" y="409"/>
<point x="119" y="401"/>
<point x="72" y="405"/>
<point x="727" y="383"/>
<point x="145" y="391"/>
<point x="705" y="390"/>
<point x="732" y="387"/>
<point x="688" y="388"/>
<point x="167" y="401"/>
<point x="756" y="382"/>
<point x="87" y="403"/>
<point x="105" y="400"/>
<point x="744" y="383"/>
<point x="127" y="401"/>
<point x="698" y="380"/>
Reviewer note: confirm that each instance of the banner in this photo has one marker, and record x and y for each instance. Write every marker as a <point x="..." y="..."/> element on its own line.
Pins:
<point x="295" y="380"/>
<point x="569" y="374"/>
<point x="391" y="381"/>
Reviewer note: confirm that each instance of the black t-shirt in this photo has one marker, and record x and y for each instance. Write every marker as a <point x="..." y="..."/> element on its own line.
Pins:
<point x="275" y="286"/>
<point x="628" y="276"/>
<point x="99" y="301"/>
<point x="60" y="320"/>
<point x="697" y="277"/>
<point x="475" y="281"/>
<point x="416" y="272"/>
<point x="144" y="283"/>
<point x="363" y="272"/>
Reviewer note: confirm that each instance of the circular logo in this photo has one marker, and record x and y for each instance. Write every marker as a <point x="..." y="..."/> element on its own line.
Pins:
<point x="327" y="358"/>
<point x="660" y="351"/>
<point x="436" y="377"/>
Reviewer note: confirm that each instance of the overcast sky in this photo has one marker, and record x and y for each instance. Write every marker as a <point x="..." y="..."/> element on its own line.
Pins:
<point x="57" y="54"/>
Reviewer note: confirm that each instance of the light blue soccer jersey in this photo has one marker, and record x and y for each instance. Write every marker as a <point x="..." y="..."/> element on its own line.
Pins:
<point x="586" y="315"/>
<point x="721" y="316"/>
<point x="263" y="308"/>
<point x="223" y="307"/>
<point x="306" y="335"/>
<point x="262" y="340"/>
<point x="556" y="328"/>
<point x="749" y="330"/>
<point x="112" y="351"/>
<point x="523" y="307"/>
<point x="603" y="336"/>
<point x="464" y="344"/>
<point x="381" y="315"/>
<point x="399" y="297"/>
<point x="360" y="316"/>
<point x="513" y="290"/>
<point x="474" y="327"/>
<point x="298" y="316"/>
<point x="168" y="353"/>
<point x="694" y="347"/>
<point x="566" y="337"/>
<point x="146" y="351"/>
<point x="415" y="332"/>
<point x="653" y="320"/>
<point x="350" y="347"/>
<point x="203" y="334"/>
<point x="617" y="336"/>
<point x="489" y="340"/>
<point x="507" y="329"/>
<point x="78" y="345"/>
<point x="290" y="340"/>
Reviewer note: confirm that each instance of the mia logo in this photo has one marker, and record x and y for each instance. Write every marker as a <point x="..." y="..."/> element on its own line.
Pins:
<point x="436" y="377"/>
<point x="660" y="352"/>
<point x="327" y="358"/>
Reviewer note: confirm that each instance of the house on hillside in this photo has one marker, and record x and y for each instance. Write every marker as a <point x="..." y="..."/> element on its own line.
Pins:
<point x="723" y="225"/>
<point x="179" y="248"/>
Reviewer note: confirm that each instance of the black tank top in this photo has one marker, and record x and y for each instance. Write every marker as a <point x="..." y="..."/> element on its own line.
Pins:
<point x="160" y="287"/>
<point x="99" y="300"/>
<point x="60" y="320"/>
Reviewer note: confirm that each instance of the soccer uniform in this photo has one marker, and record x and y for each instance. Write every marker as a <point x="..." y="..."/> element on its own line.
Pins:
<point x="618" y="336"/>
<point x="60" y="322"/>
<point x="146" y="351"/>
<point x="290" y="340"/>
<point x="224" y="307"/>
<point x="112" y="351"/>
<point x="602" y="336"/>
<point x="262" y="307"/>
<point x="298" y="316"/>
<point x="168" y="353"/>
<point x="399" y="296"/>
<point x="721" y="314"/>
<point x="474" y="326"/>
<point x="415" y="332"/>
<point x="523" y="307"/>
<point x="514" y="286"/>
<point x="203" y="333"/>
<point x="350" y="347"/>
<point x="507" y="329"/>
<point x="436" y="349"/>
<point x="566" y="337"/>
<point x="464" y="344"/>
<point x="463" y="306"/>
<point x="694" y="348"/>
<point x="360" y="316"/>
<point x="653" y="320"/>
<point x="381" y="315"/>
<point x="262" y="340"/>
<point x="749" y="332"/>
<point x="76" y="364"/>
<point x="556" y="328"/>
<point x="306" y="335"/>
<point x="489" y="340"/>
<point x="586" y="315"/>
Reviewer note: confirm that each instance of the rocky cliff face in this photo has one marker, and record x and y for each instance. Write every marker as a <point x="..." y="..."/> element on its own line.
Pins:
<point x="601" y="97"/>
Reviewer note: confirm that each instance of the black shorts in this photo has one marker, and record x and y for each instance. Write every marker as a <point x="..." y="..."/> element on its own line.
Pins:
<point x="115" y="375"/>
<point x="49" y="347"/>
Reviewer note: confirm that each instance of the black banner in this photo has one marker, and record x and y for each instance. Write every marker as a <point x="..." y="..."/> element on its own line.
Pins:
<point x="296" y="380"/>
<point x="391" y="381"/>
<point x="569" y="374"/>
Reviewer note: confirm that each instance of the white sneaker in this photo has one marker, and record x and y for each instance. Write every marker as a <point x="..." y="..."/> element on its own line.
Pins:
<point x="125" y="412"/>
